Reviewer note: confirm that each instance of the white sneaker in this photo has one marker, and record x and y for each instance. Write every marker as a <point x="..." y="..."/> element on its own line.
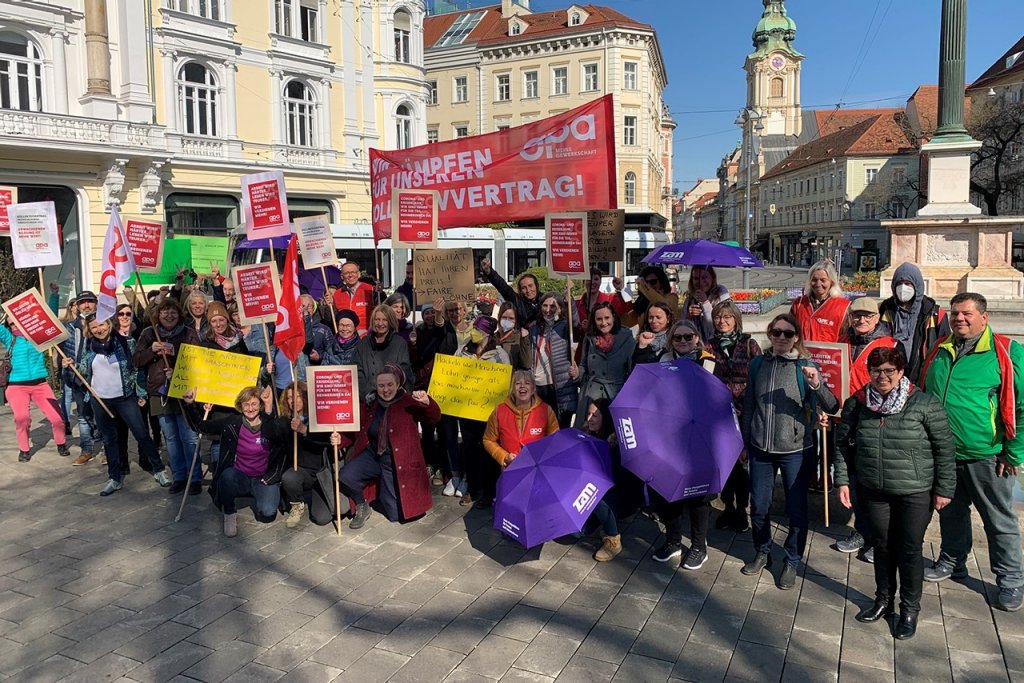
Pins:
<point x="231" y="525"/>
<point x="295" y="515"/>
<point x="449" y="488"/>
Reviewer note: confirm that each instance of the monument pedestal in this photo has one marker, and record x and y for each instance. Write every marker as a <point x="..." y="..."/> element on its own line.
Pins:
<point x="956" y="254"/>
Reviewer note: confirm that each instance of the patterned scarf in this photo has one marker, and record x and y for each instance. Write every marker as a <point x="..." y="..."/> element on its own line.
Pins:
<point x="891" y="404"/>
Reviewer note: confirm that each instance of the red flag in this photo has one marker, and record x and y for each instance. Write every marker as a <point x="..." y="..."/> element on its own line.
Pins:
<point x="290" y="333"/>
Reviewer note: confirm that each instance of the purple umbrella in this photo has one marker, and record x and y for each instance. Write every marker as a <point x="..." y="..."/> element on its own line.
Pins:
<point x="703" y="253"/>
<point x="676" y="428"/>
<point x="551" y="488"/>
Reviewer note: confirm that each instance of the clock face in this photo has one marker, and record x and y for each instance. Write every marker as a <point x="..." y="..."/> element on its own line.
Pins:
<point x="778" y="62"/>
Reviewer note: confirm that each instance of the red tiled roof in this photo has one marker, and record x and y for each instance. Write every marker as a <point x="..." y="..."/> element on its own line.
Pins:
<point x="703" y="200"/>
<point x="999" y="70"/>
<point x="834" y="120"/>
<point x="926" y="101"/>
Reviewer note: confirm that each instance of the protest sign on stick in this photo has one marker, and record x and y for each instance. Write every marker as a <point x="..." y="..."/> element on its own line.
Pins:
<point x="567" y="244"/>
<point x="146" y="242"/>
<point x="468" y="388"/>
<point x="265" y="205"/>
<point x="833" y="360"/>
<point x="35" y="320"/>
<point x="333" y="398"/>
<point x="177" y="254"/>
<point x="35" y="238"/>
<point x="414" y="218"/>
<point x="257" y="290"/>
<point x="208" y="252"/>
<point x="316" y="243"/>
<point x="445" y="274"/>
<point x="606" y="233"/>
<point x="8" y="196"/>
<point x="216" y="376"/>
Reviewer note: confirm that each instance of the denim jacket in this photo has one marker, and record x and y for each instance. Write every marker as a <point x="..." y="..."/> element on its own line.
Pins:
<point x="133" y="382"/>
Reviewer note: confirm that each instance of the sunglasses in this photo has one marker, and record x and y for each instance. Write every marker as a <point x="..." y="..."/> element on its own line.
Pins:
<point x="651" y="281"/>
<point x="689" y="336"/>
<point x="788" y="334"/>
<point x="124" y="314"/>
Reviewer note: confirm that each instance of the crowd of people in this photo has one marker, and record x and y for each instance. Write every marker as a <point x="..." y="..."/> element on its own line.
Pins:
<point x="930" y="425"/>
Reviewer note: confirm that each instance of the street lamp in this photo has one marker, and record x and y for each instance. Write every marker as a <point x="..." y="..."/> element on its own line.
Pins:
<point x="750" y="120"/>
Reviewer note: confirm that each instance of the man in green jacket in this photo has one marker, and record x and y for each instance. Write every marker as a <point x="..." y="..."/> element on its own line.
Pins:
<point x="979" y="377"/>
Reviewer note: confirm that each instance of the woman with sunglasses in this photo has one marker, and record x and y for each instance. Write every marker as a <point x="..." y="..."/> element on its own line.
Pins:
<point x="703" y="293"/>
<point x="652" y="287"/>
<point x="653" y="339"/>
<point x="124" y="323"/>
<point x="897" y="440"/>
<point x="607" y="359"/>
<point x="780" y="413"/>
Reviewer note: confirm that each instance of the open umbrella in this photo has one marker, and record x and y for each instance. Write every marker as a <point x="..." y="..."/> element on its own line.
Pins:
<point x="703" y="253"/>
<point x="676" y="427"/>
<point x="552" y="486"/>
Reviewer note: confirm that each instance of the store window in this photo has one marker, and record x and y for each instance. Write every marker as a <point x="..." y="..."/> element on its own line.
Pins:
<point x="200" y="214"/>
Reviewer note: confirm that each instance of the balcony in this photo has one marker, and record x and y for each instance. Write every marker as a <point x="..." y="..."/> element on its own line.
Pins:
<point x="28" y="128"/>
<point x="202" y="147"/>
<point x="304" y="157"/>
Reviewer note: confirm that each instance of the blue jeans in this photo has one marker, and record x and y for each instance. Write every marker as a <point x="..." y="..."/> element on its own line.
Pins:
<point x="231" y="484"/>
<point x="181" y="444"/>
<point x="128" y="410"/>
<point x="797" y="470"/>
<point x="73" y="395"/>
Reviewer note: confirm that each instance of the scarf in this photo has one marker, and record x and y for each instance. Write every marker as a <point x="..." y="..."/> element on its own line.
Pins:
<point x="347" y="343"/>
<point x="604" y="342"/>
<point x="379" y="346"/>
<point x="962" y="347"/>
<point x="891" y="404"/>
<point x="166" y="334"/>
<point x="225" y="342"/>
<point x="659" y="342"/>
<point x="727" y="341"/>
<point x="102" y="348"/>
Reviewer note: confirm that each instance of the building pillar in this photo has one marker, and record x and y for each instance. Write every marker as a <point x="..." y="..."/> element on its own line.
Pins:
<point x="171" y="119"/>
<point x="60" y="71"/>
<point x="228" y="96"/>
<point x="325" y="115"/>
<point x="97" y="48"/>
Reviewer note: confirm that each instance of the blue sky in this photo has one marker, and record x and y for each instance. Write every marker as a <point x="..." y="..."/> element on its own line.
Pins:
<point x="704" y="44"/>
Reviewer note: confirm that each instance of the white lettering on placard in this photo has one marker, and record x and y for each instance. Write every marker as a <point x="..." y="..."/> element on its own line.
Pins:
<point x="581" y="128"/>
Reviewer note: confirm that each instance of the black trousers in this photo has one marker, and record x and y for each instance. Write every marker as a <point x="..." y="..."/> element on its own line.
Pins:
<point x="897" y="525"/>
<point x="736" y="492"/>
<point x="481" y="469"/>
<point x="672" y="516"/>
<point x="367" y="467"/>
<point x="295" y="483"/>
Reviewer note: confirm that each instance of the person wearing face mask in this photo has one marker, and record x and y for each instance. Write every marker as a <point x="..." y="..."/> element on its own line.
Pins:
<point x="382" y="346"/>
<point x="653" y="339"/>
<point x="509" y="336"/>
<point x="916" y="320"/>
<point x="703" y="293"/>
<point x="822" y="308"/>
<point x="545" y="351"/>
<point x="385" y="460"/>
<point x="343" y="350"/>
<point x="526" y="299"/>
<point x="607" y="359"/>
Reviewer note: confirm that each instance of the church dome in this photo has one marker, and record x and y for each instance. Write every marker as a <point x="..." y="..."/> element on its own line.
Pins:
<point x="775" y="30"/>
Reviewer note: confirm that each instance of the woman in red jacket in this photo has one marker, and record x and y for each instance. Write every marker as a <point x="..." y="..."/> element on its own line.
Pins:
<point x="822" y="308"/>
<point x="387" y="448"/>
<point x="523" y="418"/>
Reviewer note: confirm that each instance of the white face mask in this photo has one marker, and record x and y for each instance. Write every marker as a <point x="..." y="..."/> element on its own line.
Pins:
<point x="905" y="293"/>
<point x="506" y="325"/>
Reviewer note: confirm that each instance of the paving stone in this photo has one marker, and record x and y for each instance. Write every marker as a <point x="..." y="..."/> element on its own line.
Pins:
<point x="170" y="662"/>
<point x="573" y="621"/>
<point x="629" y="611"/>
<point x="293" y="649"/>
<point x="913" y="666"/>
<point x="428" y="665"/>
<point x="639" y="668"/>
<point x="976" y="667"/>
<point x="310" y="672"/>
<point x="493" y="604"/>
<point x="386" y="616"/>
<point x="963" y="605"/>
<point x="255" y="673"/>
<point x="515" y="675"/>
<point x="152" y="643"/>
<point x="753" y="662"/>
<point x="547" y="654"/>
<point x="815" y="648"/>
<point x="462" y="634"/>
<point x="53" y="668"/>
<point x="608" y="643"/>
<point x="224" y="661"/>
<point x="802" y="673"/>
<point x="209" y="610"/>
<point x="344" y="649"/>
<point x="582" y="669"/>
<point x="874" y="649"/>
<point x="702" y="663"/>
<point x="445" y="606"/>
<point x="374" y="665"/>
<point x="225" y="629"/>
<point x="411" y="636"/>
<point x="972" y="636"/>
<point x="493" y="657"/>
<point x="766" y="628"/>
<point x="548" y="594"/>
<point x="275" y="628"/>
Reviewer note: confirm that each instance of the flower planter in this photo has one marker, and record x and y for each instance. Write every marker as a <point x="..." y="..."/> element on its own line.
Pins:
<point x="759" y="302"/>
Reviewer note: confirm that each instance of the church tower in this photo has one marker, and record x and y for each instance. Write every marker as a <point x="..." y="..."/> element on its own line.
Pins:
<point x="773" y="72"/>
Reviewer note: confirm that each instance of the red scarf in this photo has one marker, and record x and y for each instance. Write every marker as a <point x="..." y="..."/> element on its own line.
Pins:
<point x="604" y="342"/>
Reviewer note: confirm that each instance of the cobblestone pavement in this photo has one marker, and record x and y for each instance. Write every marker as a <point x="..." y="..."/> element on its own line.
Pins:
<point x="95" y="589"/>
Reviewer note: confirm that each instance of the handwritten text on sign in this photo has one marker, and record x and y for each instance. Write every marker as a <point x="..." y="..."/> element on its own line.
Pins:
<point x="415" y="218"/>
<point x="444" y="273"/>
<point x="567" y="244"/>
<point x="259" y="290"/>
<point x="334" y="397"/>
<point x="607" y="235"/>
<point x="36" y="321"/>
<point x="146" y="242"/>
<point x="468" y="388"/>
<point x="833" y="360"/>
<point x="217" y="376"/>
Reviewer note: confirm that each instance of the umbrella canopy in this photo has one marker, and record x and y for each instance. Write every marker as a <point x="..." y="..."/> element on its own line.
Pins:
<point x="703" y="253"/>
<point x="682" y="438"/>
<point x="552" y="486"/>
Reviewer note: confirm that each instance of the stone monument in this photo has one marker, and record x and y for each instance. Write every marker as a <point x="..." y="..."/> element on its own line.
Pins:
<point x="957" y="248"/>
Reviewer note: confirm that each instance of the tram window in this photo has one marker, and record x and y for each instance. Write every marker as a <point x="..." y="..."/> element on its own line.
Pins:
<point x="604" y="266"/>
<point x="364" y="257"/>
<point x="634" y="257"/>
<point x="521" y="260"/>
<point x="478" y="256"/>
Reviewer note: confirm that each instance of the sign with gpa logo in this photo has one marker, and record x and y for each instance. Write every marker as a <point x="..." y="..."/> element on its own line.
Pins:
<point x="833" y="361"/>
<point x="146" y="242"/>
<point x="35" y="238"/>
<point x="264" y="205"/>
<point x="8" y="196"/>
<point x="333" y="398"/>
<point x="564" y="162"/>
<point x="35" y="320"/>
<point x="414" y="218"/>
<point x="258" y="289"/>
<point x="567" y="244"/>
<point x="316" y="243"/>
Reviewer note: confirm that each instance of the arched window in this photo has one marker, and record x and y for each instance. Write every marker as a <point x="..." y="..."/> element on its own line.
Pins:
<point x="514" y="29"/>
<point x="575" y="19"/>
<point x="629" y="188"/>
<point x="403" y="29"/>
<point x="197" y="100"/>
<point x="300" y="112"/>
<point x="403" y="126"/>
<point x="777" y="87"/>
<point x="21" y="73"/>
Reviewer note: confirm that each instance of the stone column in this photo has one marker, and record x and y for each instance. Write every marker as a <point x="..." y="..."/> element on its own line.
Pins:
<point x="228" y="95"/>
<point x="97" y="49"/>
<point x="952" y="56"/>
<point x="171" y="118"/>
<point x="60" y="70"/>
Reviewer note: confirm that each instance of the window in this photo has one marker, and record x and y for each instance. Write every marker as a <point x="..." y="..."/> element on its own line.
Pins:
<point x="870" y="175"/>
<point x="503" y="88"/>
<point x="629" y="188"/>
<point x="777" y="87"/>
<point x="560" y="80"/>
<point x="461" y="89"/>
<point x="590" y="77"/>
<point x="208" y="9"/>
<point x="899" y="175"/>
<point x="309" y="23"/>
<point x="403" y="29"/>
<point x="431" y="135"/>
<point x="521" y="260"/>
<point x="403" y="126"/>
<point x="896" y="209"/>
<point x="300" y="115"/>
<point x="462" y="131"/>
<point x="575" y="19"/>
<point x="870" y="211"/>
<point x="21" y="73"/>
<point x="629" y="130"/>
<point x="514" y="29"/>
<point x="431" y="92"/>
<point x="629" y="73"/>
<point x="502" y="126"/>
<point x="531" y="84"/>
<point x="458" y="31"/>
<point x="192" y="214"/>
<point x="283" y="17"/>
<point x="299" y="207"/>
<point x="197" y="100"/>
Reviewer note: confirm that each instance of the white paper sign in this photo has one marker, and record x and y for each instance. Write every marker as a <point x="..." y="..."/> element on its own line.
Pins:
<point x="316" y="243"/>
<point x="35" y="239"/>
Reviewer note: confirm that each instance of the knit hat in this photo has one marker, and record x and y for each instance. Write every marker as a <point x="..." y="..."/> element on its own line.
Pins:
<point x="346" y="314"/>
<point x="485" y="324"/>
<point x="393" y="369"/>
<point x="215" y="309"/>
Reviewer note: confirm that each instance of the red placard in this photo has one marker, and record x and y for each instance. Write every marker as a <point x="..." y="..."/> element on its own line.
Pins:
<point x="567" y="244"/>
<point x="562" y="163"/>
<point x="257" y="290"/>
<point x="333" y="397"/>
<point x="414" y="218"/>
<point x="35" y="320"/>
<point x="265" y="205"/>
<point x="8" y="195"/>
<point x="146" y="242"/>
<point x="833" y="360"/>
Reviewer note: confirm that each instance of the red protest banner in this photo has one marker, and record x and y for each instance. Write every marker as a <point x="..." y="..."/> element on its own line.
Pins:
<point x="257" y="289"/>
<point x="333" y="397"/>
<point x="833" y="360"/>
<point x="567" y="244"/>
<point x="8" y="196"/>
<point x="35" y="320"/>
<point x="146" y="242"/>
<point x="265" y="205"/>
<point x="414" y="218"/>
<point x="562" y="163"/>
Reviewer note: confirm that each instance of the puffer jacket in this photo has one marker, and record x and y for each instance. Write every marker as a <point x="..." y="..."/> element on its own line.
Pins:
<point x="907" y="452"/>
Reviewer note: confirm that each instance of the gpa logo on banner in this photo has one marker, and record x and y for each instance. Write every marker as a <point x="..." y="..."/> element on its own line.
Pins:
<point x="582" y="128"/>
<point x="585" y="498"/>
<point x="536" y="431"/>
<point x="628" y="436"/>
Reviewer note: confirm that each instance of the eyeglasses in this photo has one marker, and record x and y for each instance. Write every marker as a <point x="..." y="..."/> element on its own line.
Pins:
<point x="788" y="334"/>
<point x="124" y="314"/>
<point x="888" y="372"/>
<point x="862" y="315"/>
<point x="689" y="336"/>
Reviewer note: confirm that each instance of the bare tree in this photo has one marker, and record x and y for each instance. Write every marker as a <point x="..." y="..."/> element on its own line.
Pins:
<point x="895" y="194"/>
<point x="996" y="168"/>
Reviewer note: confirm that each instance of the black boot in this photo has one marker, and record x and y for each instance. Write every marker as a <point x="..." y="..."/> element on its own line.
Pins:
<point x="907" y="625"/>
<point x="882" y="607"/>
<point x="361" y="515"/>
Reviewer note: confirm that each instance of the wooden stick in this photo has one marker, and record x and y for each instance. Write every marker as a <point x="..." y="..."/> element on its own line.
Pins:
<point x="334" y="318"/>
<point x="295" y="435"/>
<point x="84" y="382"/>
<point x="270" y="244"/>
<point x="191" y="469"/>
<point x="337" y="492"/>
<point x="568" y="315"/>
<point x="824" y="466"/>
<point x="42" y="288"/>
<point x="266" y="341"/>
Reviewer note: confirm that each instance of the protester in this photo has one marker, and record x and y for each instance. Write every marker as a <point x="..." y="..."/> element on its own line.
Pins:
<point x="223" y="287"/>
<point x="896" y="440"/>
<point x="252" y="335"/>
<point x="525" y="297"/>
<point x="627" y="493"/>
<point x="106" y="363"/>
<point x="125" y="322"/>
<point x="354" y="295"/>
<point x="733" y="350"/>
<point x="652" y="287"/>
<point x="382" y="346"/>
<point x="822" y="308"/>
<point x="406" y="289"/>
<point x="319" y="335"/>
<point x="220" y="335"/>
<point x="386" y="450"/>
<point x="400" y="305"/>
<point x="74" y="393"/>
<point x="545" y="350"/>
<point x="343" y="350"/>
<point x="703" y="293"/>
<point x="157" y="359"/>
<point x="127" y="327"/>
<point x="607" y="359"/>
<point x="915" y="320"/>
<point x="195" y="308"/>
<point x="593" y="296"/>
<point x="977" y="374"/>
<point x="653" y="339"/>
<point x="297" y="483"/>
<point x="27" y="384"/>
<point x="779" y="416"/>
<point x="521" y="419"/>
<point x="510" y="337"/>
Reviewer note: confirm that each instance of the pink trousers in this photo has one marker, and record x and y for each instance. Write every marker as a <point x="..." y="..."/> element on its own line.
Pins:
<point x="20" y="396"/>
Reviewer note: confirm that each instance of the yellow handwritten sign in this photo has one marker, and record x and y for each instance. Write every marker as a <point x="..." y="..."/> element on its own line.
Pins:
<point x="217" y="376"/>
<point x="468" y="388"/>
